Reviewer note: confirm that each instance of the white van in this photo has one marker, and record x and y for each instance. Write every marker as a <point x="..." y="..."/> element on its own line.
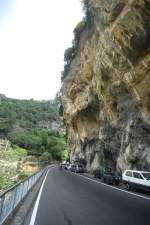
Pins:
<point x="136" y="180"/>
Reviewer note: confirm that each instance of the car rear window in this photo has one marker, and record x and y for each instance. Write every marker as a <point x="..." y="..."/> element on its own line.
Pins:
<point x="137" y="175"/>
<point x="128" y="173"/>
<point x="146" y="175"/>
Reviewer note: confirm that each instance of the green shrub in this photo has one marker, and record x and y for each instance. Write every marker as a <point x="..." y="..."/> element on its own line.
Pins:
<point x="65" y="155"/>
<point x="20" y="151"/>
<point x="71" y="52"/>
<point x="5" y="183"/>
<point x="46" y="157"/>
<point x="77" y="32"/>
<point x="88" y="14"/>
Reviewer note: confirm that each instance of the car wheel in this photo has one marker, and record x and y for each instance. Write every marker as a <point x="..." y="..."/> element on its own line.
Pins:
<point x="109" y="182"/>
<point x="104" y="180"/>
<point x="128" y="186"/>
<point x="116" y="183"/>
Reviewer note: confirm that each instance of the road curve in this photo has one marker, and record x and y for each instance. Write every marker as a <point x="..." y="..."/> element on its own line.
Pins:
<point x="69" y="199"/>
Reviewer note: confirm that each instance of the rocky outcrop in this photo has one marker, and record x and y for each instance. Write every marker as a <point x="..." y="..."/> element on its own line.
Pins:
<point x="106" y="93"/>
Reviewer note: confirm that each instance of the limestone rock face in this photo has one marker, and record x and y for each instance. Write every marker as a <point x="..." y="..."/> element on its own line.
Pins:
<point x="106" y="93"/>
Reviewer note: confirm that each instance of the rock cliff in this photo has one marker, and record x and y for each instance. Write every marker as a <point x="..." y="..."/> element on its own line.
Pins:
<point x="106" y="90"/>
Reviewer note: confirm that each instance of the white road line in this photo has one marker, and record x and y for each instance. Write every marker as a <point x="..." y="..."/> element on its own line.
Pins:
<point x="33" y="217"/>
<point x="131" y="193"/>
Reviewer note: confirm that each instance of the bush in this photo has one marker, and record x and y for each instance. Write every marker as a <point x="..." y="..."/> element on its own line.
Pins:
<point x="65" y="72"/>
<point x="88" y="14"/>
<point x="5" y="183"/>
<point x="71" y="52"/>
<point x="22" y="176"/>
<point x="65" y="155"/>
<point x="77" y="32"/>
<point x="46" y="157"/>
<point x="20" y="151"/>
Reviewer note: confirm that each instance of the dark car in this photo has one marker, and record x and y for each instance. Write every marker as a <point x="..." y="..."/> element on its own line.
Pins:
<point x="110" y="177"/>
<point x="62" y="166"/>
<point x="77" y="168"/>
<point x="98" y="173"/>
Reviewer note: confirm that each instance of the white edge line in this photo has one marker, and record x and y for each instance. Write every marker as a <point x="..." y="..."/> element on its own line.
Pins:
<point x="140" y="196"/>
<point x="33" y="217"/>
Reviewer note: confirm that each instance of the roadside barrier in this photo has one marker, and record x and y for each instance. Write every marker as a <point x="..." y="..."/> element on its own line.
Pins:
<point x="11" y="198"/>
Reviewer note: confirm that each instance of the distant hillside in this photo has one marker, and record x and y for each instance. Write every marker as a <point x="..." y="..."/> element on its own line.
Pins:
<point x="34" y="125"/>
<point x="27" y="114"/>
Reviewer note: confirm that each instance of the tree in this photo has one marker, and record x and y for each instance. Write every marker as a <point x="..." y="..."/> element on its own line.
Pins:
<point x="65" y="155"/>
<point x="46" y="157"/>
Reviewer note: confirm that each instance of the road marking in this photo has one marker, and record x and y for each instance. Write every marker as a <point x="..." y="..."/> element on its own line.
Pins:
<point x="131" y="193"/>
<point x="33" y="217"/>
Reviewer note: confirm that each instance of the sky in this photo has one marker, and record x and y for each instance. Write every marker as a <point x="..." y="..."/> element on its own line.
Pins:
<point x="33" y="37"/>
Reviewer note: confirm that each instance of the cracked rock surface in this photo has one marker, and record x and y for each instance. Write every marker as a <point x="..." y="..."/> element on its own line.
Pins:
<point x="106" y="93"/>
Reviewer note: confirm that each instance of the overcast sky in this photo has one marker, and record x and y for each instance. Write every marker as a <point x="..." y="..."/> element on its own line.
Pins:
<point x="33" y="37"/>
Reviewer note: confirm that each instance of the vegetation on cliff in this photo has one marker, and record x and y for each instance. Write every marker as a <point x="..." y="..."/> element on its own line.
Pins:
<point x="72" y="51"/>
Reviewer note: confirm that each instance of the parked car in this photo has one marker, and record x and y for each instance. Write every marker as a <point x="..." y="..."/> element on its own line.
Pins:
<point x="107" y="175"/>
<point x="66" y="166"/>
<point x="98" y="173"/>
<point x="110" y="177"/>
<point x="73" y="168"/>
<point x="62" y="166"/>
<point x="133" y="179"/>
<point x="69" y="166"/>
<point x="77" y="168"/>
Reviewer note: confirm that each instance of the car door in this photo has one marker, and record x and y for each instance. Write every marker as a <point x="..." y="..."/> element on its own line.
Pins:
<point x="138" y="180"/>
<point x="127" y="176"/>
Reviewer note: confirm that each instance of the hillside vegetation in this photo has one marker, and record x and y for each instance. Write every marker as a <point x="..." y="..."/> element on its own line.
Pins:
<point x="33" y="125"/>
<point x="10" y="170"/>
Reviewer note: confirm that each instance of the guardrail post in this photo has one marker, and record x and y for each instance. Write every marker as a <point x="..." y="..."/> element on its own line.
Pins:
<point x="22" y="184"/>
<point x="28" y="185"/>
<point x="1" y="206"/>
<point x="14" y="199"/>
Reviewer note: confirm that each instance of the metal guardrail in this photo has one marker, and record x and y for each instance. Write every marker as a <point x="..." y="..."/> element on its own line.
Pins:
<point x="10" y="199"/>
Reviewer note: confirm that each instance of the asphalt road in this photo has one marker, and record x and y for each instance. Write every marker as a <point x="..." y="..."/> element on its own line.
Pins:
<point x="69" y="199"/>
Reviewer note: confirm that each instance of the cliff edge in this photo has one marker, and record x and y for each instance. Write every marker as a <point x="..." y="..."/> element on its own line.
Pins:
<point x="106" y="86"/>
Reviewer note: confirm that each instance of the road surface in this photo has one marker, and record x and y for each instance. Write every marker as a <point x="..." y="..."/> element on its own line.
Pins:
<point x="70" y="199"/>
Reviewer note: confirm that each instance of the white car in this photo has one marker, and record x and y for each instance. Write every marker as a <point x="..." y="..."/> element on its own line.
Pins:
<point x="136" y="180"/>
<point x="69" y="166"/>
